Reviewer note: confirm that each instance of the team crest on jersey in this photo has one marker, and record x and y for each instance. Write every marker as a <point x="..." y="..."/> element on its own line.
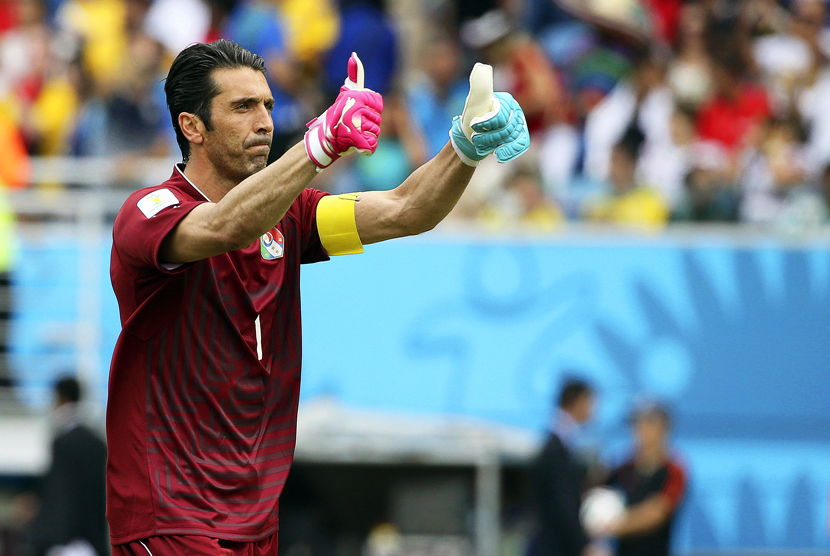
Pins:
<point x="272" y="245"/>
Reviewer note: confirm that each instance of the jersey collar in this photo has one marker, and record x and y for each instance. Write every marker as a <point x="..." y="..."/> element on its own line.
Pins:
<point x="179" y="168"/>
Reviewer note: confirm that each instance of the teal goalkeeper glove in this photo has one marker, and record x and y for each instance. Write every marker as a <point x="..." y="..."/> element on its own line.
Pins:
<point x="489" y="123"/>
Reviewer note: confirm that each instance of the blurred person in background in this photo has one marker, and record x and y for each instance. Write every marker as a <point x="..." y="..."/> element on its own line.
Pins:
<point x="366" y="28"/>
<point x="521" y="203"/>
<point x="24" y="57"/>
<point x="809" y="24"/>
<point x="36" y="89"/>
<point x="15" y="173"/>
<point x="786" y="59"/>
<point x="560" y="475"/>
<point x="653" y="483"/>
<point x="641" y="100"/>
<point x="773" y="171"/>
<point x="689" y="73"/>
<point x="128" y="121"/>
<point x="629" y="202"/>
<point x="520" y="66"/>
<point x="71" y="500"/>
<point x="665" y="164"/>
<point x="401" y="149"/>
<point x="439" y="92"/>
<point x="734" y="116"/>
<point x="710" y="194"/>
<point x="99" y="29"/>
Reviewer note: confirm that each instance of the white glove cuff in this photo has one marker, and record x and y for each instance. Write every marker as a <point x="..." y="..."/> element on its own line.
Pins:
<point x="314" y="148"/>
<point x="464" y="158"/>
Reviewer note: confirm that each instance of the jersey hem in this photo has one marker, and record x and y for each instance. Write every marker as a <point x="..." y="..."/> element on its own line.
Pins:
<point x="212" y="533"/>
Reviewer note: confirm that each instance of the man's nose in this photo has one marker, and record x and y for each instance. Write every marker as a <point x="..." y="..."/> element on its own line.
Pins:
<point x="264" y="122"/>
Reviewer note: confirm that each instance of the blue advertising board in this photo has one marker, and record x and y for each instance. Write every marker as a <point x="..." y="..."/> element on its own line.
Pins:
<point x="734" y="338"/>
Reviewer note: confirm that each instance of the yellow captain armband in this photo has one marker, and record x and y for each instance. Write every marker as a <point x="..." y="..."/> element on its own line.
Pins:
<point x="337" y="226"/>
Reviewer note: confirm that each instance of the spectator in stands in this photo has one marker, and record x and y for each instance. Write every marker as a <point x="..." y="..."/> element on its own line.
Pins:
<point x="15" y="173"/>
<point x="665" y="164"/>
<point x="560" y="473"/>
<point x="772" y="171"/>
<point x="643" y="101"/>
<point x="400" y="150"/>
<point x="629" y="202"/>
<point x="709" y="195"/>
<point x="72" y="497"/>
<point x="439" y="93"/>
<point x="128" y="120"/>
<point x="373" y="35"/>
<point x="653" y="483"/>
<point x="100" y="29"/>
<point x="178" y="23"/>
<point x="522" y="203"/>
<point x="787" y="58"/>
<point x="738" y="109"/>
<point x="689" y="74"/>
<point x="521" y="66"/>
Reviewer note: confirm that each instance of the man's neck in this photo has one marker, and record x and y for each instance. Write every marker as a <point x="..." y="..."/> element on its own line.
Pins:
<point x="649" y="460"/>
<point x="205" y="177"/>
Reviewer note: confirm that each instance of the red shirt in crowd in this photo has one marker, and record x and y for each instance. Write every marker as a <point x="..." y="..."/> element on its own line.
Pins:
<point x="727" y="121"/>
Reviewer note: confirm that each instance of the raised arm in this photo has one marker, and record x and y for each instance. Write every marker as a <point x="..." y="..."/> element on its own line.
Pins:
<point x="256" y="204"/>
<point x="246" y="212"/>
<point x="490" y="123"/>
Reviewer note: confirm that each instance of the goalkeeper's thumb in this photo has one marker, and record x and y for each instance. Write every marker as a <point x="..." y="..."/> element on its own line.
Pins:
<point x="481" y="104"/>
<point x="355" y="80"/>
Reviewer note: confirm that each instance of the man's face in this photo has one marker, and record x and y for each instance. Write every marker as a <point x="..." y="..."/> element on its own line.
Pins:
<point x="240" y="138"/>
<point x="650" y="432"/>
<point x="583" y="409"/>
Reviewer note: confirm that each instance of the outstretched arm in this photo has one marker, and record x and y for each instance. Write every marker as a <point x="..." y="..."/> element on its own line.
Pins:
<point x="418" y="204"/>
<point x="490" y="123"/>
<point x="257" y="203"/>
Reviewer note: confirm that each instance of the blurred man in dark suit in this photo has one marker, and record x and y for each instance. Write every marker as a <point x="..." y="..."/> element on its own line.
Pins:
<point x="72" y="500"/>
<point x="560" y="474"/>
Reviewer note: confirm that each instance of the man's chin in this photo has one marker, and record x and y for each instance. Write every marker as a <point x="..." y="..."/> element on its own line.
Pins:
<point x="259" y="163"/>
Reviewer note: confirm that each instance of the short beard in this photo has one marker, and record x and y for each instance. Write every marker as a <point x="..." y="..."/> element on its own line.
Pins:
<point x="237" y="169"/>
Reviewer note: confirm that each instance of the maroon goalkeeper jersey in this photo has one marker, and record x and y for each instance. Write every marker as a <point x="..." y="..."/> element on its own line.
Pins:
<point x="205" y="377"/>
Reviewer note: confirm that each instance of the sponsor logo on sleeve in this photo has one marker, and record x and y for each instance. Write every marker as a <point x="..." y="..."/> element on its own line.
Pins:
<point x="153" y="203"/>
<point x="272" y="245"/>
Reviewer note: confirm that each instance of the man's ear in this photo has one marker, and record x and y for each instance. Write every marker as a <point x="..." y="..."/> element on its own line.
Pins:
<point x="193" y="128"/>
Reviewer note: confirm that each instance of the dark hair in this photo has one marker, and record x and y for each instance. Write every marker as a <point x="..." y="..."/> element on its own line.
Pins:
<point x="190" y="86"/>
<point x="651" y="409"/>
<point x="572" y="390"/>
<point x="68" y="389"/>
<point x="631" y="142"/>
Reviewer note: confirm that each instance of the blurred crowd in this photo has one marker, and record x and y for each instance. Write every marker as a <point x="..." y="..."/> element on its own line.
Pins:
<point x="641" y="111"/>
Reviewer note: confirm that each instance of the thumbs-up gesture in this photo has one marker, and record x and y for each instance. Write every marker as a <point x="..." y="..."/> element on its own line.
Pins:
<point x="351" y="123"/>
<point x="490" y="122"/>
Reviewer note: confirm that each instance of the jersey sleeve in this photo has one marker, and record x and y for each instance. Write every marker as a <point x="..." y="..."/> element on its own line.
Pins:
<point x="143" y="223"/>
<point x="675" y="485"/>
<point x="312" y="248"/>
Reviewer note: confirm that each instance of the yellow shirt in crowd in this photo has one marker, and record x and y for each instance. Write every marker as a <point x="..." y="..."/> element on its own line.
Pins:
<point x="641" y="207"/>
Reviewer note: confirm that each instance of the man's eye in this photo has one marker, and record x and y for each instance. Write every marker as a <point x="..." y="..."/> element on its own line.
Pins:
<point x="243" y="105"/>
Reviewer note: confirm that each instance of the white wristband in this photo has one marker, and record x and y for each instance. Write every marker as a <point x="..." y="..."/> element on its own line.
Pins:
<point x="464" y="158"/>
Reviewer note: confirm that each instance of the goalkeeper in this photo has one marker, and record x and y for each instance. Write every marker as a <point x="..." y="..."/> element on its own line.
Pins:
<point x="204" y="381"/>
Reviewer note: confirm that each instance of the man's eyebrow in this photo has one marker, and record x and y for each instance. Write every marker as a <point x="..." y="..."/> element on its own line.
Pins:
<point x="244" y="100"/>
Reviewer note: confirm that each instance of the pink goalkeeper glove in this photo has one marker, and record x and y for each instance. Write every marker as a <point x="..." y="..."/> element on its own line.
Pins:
<point x="351" y="123"/>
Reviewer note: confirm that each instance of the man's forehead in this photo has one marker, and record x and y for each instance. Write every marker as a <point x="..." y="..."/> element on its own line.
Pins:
<point x="245" y="82"/>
